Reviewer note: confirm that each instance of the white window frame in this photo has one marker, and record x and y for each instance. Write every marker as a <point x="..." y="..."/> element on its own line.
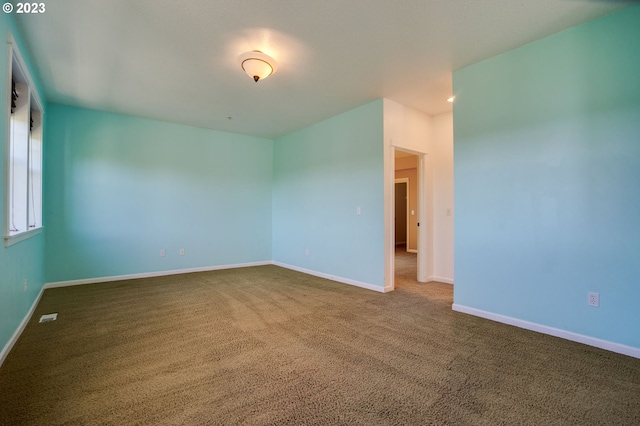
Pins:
<point x="33" y="197"/>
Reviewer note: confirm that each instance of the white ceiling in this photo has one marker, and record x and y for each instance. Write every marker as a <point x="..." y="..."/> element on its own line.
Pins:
<point x="177" y="60"/>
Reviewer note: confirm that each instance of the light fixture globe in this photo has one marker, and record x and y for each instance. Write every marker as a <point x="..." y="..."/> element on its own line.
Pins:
<point x="257" y="65"/>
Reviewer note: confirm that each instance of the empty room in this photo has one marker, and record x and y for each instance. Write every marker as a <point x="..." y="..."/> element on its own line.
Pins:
<point x="340" y="212"/>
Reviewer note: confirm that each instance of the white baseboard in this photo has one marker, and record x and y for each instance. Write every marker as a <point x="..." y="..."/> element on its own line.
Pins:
<point x="151" y="274"/>
<point x="16" y="334"/>
<point x="440" y="279"/>
<point x="334" y="278"/>
<point x="568" y="335"/>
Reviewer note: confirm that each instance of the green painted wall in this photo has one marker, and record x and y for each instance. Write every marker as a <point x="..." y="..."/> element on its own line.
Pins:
<point x="24" y="260"/>
<point x="119" y="189"/>
<point x="322" y="174"/>
<point x="547" y="181"/>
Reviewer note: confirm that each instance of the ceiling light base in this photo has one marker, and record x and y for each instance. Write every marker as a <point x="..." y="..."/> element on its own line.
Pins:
<point x="257" y="65"/>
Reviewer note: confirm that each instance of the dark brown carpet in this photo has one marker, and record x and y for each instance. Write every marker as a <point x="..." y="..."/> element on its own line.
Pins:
<point x="266" y="345"/>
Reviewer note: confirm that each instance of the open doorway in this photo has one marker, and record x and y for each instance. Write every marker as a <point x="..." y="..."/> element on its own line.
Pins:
<point x="406" y="215"/>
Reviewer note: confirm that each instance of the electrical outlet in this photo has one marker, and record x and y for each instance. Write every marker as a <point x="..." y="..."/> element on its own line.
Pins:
<point x="181" y="252"/>
<point x="163" y="253"/>
<point x="25" y="284"/>
<point x="306" y="252"/>
<point x="593" y="299"/>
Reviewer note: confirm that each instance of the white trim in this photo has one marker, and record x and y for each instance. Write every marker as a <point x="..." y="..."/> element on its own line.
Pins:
<point x="568" y="335"/>
<point x="215" y="268"/>
<point x="7" y="138"/>
<point x="389" y="188"/>
<point x="15" y="50"/>
<point x="440" y="279"/>
<point x="10" y="240"/>
<point x="33" y="97"/>
<point x="151" y="274"/>
<point x="412" y="251"/>
<point x="335" y="278"/>
<point x="425" y="212"/>
<point x="424" y="245"/>
<point x="16" y="334"/>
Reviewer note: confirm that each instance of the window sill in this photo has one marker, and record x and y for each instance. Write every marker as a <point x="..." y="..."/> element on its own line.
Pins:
<point x="10" y="240"/>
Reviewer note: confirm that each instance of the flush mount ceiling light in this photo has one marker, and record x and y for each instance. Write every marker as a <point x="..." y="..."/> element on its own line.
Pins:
<point x="257" y="65"/>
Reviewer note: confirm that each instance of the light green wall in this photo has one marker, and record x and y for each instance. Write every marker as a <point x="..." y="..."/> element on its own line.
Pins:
<point x="547" y="181"/>
<point x="119" y="189"/>
<point x="322" y="174"/>
<point x="24" y="260"/>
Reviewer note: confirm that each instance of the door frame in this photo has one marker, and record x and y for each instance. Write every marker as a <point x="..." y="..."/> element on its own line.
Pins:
<point x="424" y="192"/>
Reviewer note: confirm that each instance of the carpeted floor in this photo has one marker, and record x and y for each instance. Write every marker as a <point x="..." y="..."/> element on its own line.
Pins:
<point x="266" y="345"/>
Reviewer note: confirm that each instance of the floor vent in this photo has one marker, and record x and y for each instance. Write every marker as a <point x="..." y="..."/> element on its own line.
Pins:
<point x="49" y="317"/>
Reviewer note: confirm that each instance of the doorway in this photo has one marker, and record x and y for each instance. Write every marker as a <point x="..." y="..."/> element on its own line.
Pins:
<point x="406" y="213"/>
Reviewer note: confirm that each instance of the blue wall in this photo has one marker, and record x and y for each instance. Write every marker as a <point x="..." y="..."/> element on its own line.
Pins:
<point x="547" y="181"/>
<point x="24" y="260"/>
<point x="321" y="175"/>
<point x="119" y="189"/>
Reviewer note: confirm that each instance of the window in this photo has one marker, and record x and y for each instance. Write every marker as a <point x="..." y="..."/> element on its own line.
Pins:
<point x="24" y="153"/>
